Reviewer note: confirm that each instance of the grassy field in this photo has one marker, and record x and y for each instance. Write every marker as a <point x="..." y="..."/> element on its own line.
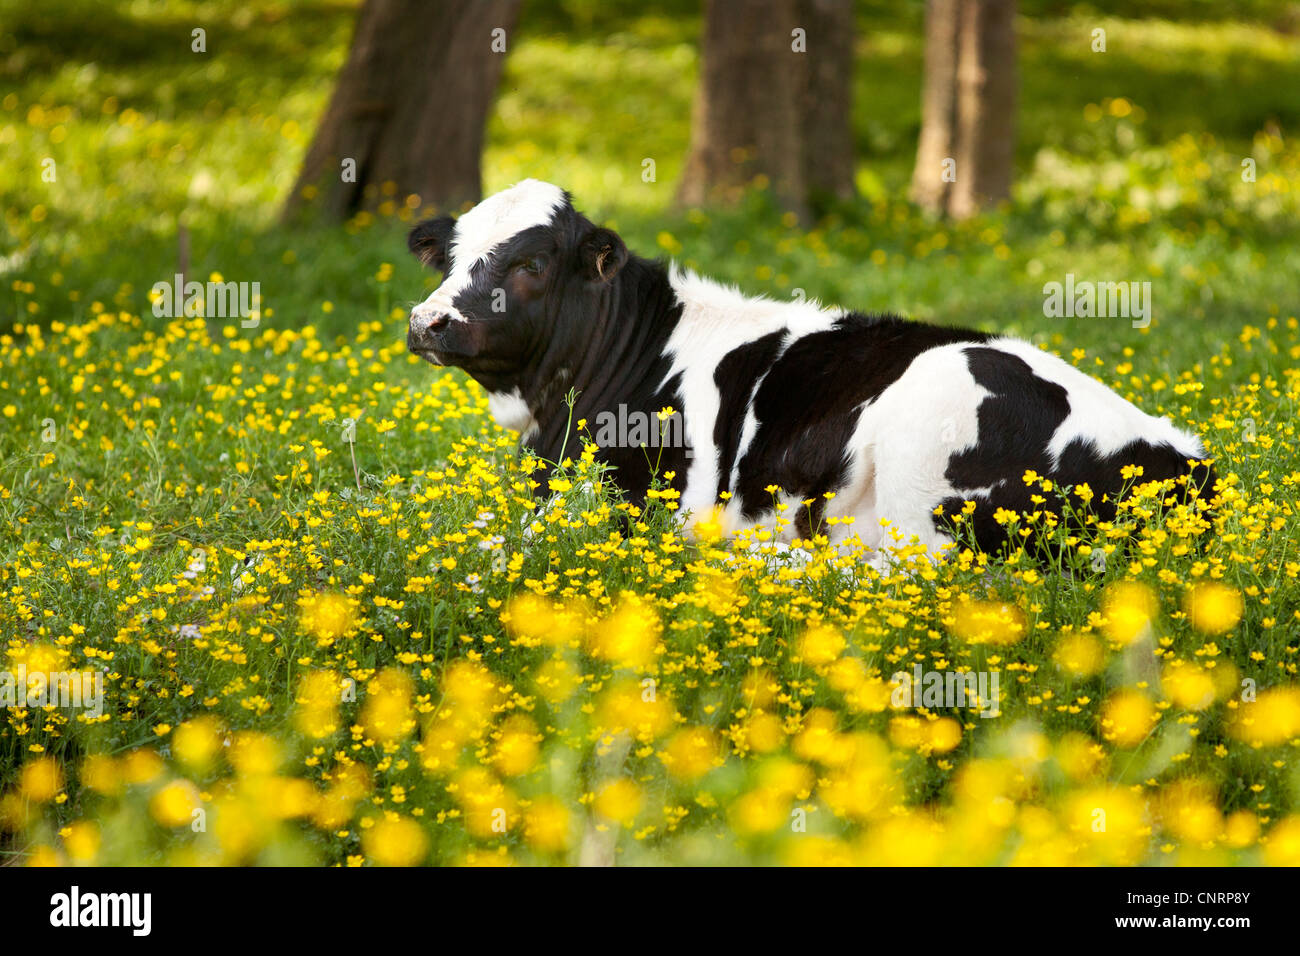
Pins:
<point x="372" y="651"/>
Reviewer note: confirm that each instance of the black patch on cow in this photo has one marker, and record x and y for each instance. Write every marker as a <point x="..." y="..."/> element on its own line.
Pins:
<point x="1016" y="424"/>
<point x="809" y="403"/>
<point x="635" y="466"/>
<point x="735" y="377"/>
<point x="610" y="355"/>
<point x="428" y="241"/>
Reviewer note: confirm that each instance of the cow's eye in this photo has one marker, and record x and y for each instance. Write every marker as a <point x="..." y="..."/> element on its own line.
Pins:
<point x="533" y="265"/>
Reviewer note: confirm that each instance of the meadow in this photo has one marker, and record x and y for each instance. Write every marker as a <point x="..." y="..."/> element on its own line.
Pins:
<point x="331" y="625"/>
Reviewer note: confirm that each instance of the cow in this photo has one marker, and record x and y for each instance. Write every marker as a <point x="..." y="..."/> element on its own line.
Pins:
<point x="833" y="413"/>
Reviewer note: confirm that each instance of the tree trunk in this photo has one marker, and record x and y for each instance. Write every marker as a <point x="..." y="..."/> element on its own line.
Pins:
<point x="828" y="99"/>
<point x="932" y="176"/>
<point x="409" y="107"/>
<point x="986" y="102"/>
<point x="746" y="121"/>
<point x="966" y="150"/>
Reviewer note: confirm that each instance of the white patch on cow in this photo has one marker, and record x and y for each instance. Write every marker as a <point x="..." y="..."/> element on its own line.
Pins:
<point x="509" y="410"/>
<point x="903" y="441"/>
<point x="492" y="222"/>
<point x="747" y="432"/>
<point x="900" y="449"/>
<point x="715" y="320"/>
<point x="1098" y="416"/>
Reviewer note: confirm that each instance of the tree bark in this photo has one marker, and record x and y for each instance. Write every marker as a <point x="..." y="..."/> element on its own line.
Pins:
<point x="746" y="121"/>
<point x="966" y="148"/>
<point x="409" y="107"/>
<point x="986" y="101"/>
<point x="828" y="99"/>
<point x="938" y="105"/>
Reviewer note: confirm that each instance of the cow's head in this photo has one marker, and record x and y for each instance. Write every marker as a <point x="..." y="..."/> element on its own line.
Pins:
<point x="515" y="266"/>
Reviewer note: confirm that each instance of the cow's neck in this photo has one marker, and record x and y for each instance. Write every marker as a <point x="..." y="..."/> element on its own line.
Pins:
<point x="618" y="359"/>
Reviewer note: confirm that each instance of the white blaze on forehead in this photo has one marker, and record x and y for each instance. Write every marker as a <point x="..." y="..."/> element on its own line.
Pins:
<point x="490" y="223"/>
<point x="497" y="218"/>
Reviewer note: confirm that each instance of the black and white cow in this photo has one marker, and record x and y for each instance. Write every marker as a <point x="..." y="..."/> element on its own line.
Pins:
<point x="900" y="420"/>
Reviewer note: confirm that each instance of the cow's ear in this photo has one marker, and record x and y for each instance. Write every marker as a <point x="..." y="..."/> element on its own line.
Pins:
<point x="429" y="240"/>
<point x="602" y="254"/>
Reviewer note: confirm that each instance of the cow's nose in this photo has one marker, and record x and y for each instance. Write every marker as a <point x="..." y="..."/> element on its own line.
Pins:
<point x="429" y="322"/>
<point x="424" y="325"/>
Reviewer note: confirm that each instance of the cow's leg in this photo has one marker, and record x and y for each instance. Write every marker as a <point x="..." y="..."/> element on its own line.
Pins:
<point x="891" y="510"/>
<point x="909" y="435"/>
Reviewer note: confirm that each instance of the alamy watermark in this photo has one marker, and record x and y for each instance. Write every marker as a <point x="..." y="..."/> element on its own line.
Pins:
<point x="82" y="690"/>
<point x="975" y="690"/>
<point x="212" y="299"/>
<point x="1103" y="300"/>
<point x="637" y="429"/>
<point x="133" y="911"/>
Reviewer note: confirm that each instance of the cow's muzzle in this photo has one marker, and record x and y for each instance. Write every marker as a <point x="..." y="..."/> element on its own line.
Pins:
<point x="424" y="337"/>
